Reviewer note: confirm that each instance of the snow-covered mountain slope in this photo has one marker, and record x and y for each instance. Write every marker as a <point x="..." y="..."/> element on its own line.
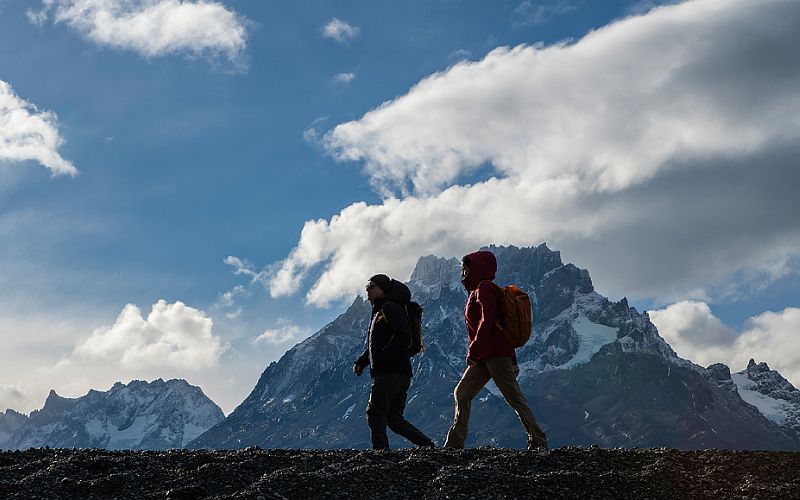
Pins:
<point x="10" y="421"/>
<point x="595" y="371"/>
<point x="774" y="396"/>
<point x="139" y="415"/>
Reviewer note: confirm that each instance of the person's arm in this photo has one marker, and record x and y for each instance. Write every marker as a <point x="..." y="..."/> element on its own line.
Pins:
<point x="487" y="300"/>
<point x="363" y="360"/>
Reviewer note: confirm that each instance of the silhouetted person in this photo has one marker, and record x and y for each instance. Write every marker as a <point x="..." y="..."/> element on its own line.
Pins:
<point x="387" y="356"/>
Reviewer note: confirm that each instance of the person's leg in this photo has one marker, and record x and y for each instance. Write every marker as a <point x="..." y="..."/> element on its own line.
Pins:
<point x="502" y="372"/>
<point x="474" y="379"/>
<point x="397" y="421"/>
<point x="378" y="411"/>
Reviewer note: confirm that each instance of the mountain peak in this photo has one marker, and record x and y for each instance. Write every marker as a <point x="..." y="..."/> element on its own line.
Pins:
<point x="753" y="367"/>
<point x="432" y="270"/>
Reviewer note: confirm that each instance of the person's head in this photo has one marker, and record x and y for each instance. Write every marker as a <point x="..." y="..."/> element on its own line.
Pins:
<point x="377" y="287"/>
<point x="476" y="267"/>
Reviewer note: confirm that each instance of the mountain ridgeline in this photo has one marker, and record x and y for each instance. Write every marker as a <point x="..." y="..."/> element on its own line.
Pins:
<point x="594" y="371"/>
<point x="157" y="415"/>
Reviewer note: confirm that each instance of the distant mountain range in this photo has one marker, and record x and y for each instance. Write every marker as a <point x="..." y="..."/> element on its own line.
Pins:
<point x="594" y="371"/>
<point x="137" y="416"/>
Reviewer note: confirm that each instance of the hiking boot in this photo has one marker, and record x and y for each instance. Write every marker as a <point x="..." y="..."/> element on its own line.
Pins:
<point x="537" y="446"/>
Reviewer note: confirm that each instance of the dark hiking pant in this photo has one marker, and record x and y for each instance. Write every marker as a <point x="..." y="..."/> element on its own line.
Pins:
<point x="476" y="376"/>
<point x="387" y="401"/>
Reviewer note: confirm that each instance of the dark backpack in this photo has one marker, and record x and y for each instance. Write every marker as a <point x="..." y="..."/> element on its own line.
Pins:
<point x="414" y="313"/>
<point x="401" y="295"/>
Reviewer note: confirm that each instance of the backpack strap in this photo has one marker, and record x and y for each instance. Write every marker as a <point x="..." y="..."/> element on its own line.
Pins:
<point x="498" y="296"/>
<point x="382" y="315"/>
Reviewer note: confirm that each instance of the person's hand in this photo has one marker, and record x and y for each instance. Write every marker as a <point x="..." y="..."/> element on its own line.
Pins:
<point x="358" y="369"/>
<point x="516" y="370"/>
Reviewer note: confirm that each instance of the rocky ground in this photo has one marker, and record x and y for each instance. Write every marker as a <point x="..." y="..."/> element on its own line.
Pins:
<point x="474" y="473"/>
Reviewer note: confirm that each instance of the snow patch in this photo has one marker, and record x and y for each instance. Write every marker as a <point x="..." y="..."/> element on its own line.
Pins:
<point x="133" y="435"/>
<point x="95" y="428"/>
<point x="591" y="337"/>
<point x="773" y="409"/>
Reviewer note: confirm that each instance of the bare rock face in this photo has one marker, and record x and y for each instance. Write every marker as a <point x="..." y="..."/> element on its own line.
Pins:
<point x="594" y="371"/>
<point x="140" y="415"/>
<point x="10" y="421"/>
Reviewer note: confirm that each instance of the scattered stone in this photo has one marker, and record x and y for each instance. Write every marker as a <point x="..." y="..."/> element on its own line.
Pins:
<point x="571" y="472"/>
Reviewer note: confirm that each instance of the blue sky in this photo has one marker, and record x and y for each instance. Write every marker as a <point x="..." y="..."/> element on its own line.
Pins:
<point x="202" y="153"/>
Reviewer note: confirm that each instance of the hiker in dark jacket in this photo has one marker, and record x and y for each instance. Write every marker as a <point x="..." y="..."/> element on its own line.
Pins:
<point x="489" y="355"/>
<point x="387" y="356"/>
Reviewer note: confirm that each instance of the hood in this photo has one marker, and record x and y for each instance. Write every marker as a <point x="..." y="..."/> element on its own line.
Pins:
<point x="482" y="266"/>
<point x="399" y="293"/>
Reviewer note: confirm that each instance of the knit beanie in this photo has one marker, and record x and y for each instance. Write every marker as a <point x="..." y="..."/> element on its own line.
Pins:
<point x="383" y="282"/>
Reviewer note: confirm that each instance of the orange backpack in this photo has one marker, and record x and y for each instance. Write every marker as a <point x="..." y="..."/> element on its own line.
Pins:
<point x="514" y="315"/>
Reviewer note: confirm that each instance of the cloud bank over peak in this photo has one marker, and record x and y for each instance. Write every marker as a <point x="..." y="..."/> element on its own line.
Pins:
<point x="26" y="133"/>
<point x="10" y="397"/>
<point x="655" y="151"/>
<point x="695" y="333"/>
<point x="172" y="336"/>
<point x="153" y="28"/>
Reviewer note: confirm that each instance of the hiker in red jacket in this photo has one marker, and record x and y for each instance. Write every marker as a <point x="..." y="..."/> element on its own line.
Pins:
<point x="489" y="355"/>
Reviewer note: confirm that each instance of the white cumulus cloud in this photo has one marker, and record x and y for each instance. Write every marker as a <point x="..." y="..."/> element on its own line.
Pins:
<point x="695" y="333"/>
<point x="171" y="336"/>
<point x="153" y="28"/>
<point x="26" y="133"/>
<point x="657" y="151"/>
<point x="339" y="30"/>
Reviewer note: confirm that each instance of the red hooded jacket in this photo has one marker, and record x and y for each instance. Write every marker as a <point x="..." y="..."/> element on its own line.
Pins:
<point x="480" y="311"/>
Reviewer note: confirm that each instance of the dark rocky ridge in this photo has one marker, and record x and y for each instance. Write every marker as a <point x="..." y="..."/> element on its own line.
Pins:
<point x="474" y="473"/>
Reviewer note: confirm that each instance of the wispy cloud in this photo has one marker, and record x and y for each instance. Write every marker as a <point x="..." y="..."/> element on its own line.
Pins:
<point x="153" y="28"/>
<point x="284" y="332"/>
<point x="26" y="134"/>
<point x="311" y="134"/>
<point x="458" y="55"/>
<point x="172" y="335"/>
<point x="241" y="266"/>
<point x="530" y="13"/>
<point x="344" y="78"/>
<point x="608" y="148"/>
<point x="695" y="333"/>
<point x="340" y="31"/>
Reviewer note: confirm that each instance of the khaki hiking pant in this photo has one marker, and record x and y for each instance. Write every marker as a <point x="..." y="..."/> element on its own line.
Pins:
<point x="476" y="376"/>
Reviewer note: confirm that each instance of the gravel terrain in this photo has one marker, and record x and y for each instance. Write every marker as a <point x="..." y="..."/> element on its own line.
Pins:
<point x="474" y="473"/>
